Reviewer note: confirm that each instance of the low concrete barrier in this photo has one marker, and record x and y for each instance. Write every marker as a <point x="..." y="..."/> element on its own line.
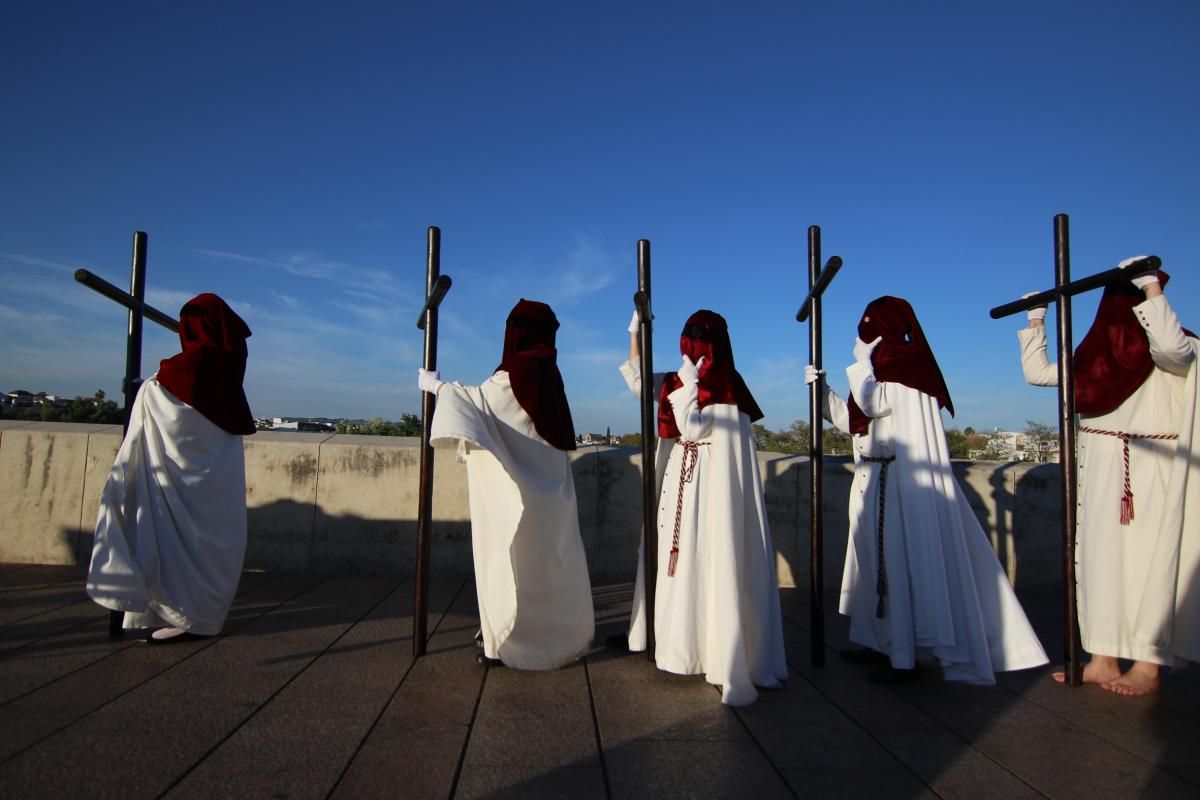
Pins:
<point x="324" y="503"/>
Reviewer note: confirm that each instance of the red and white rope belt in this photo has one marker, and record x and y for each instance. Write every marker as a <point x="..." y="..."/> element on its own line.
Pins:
<point x="881" y="571"/>
<point x="687" y="471"/>
<point x="1127" y="497"/>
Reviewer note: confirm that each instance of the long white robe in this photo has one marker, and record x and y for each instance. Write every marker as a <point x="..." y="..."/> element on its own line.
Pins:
<point x="1139" y="584"/>
<point x="171" y="532"/>
<point x="719" y="615"/>
<point x="535" y="597"/>
<point x="947" y="595"/>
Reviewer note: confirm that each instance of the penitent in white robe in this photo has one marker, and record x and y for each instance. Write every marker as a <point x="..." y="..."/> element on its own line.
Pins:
<point x="171" y="533"/>
<point x="719" y="614"/>
<point x="535" y="597"/>
<point x="947" y="595"/>
<point x="1139" y="584"/>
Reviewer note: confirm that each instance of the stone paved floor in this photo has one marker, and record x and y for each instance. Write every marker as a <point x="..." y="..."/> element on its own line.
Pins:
<point x="312" y="691"/>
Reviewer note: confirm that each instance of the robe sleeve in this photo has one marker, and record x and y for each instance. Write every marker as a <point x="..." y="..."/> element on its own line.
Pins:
<point x="1037" y="368"/>
<point x="631" y="371"/>
<point x="694" y="422"/>
<point x="1171" y="348"/>
<point x="835" y="410"/>
<point x="871" y="395"/>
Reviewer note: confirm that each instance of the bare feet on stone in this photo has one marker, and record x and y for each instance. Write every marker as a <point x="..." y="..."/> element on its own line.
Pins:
<point x="1100" y="670"/>
<point x="1141" y="679"/>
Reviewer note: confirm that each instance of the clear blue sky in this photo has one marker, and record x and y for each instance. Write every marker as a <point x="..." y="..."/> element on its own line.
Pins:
<point x="289" y="157"/>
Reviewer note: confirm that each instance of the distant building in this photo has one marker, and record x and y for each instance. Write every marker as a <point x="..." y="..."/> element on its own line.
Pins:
<point x="306" y="425"/>
<point x="595" y="438"/>
<point x="1014" y="446"/>
<point x="19" y="398"/>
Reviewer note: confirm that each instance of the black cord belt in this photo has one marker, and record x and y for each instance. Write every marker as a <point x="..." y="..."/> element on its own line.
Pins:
<point x="881" y="572"/>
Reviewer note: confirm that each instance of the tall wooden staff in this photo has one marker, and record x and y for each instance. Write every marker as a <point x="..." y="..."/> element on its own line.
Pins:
<point x="134" y="301"/>
<point x="1064" y="289"/>
<point x="649" y="472"/>
<point x="818" y="281"/>
<point x="436" y="286"/>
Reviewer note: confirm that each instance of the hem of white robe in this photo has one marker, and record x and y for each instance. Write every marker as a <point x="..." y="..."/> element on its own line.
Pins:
<point x="1134" y="652"/>
<point x="154" y="614"/>
<point x="959" y="671"/>
<point x="731" y="695"/>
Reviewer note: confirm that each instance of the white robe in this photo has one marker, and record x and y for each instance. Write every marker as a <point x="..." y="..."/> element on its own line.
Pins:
<point x="719" y="614"/>
<point x="947" y="595"/>
<point x="1139" y="584"/>
<point x="535" y="598"/>
<point x="171" y="532"/>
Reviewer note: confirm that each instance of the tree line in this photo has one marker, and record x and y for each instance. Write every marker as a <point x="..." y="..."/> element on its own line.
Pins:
<point x="1041" y="442"/>
<point x="94" y="409"/>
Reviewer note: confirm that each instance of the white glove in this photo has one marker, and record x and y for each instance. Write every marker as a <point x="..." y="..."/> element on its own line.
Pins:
<point x="862" y="350"/>
<point x="634" y="324"/>
<point x="1037" y="312"/>
<point x="811" y="374"/>
<point x="428" y="381"/>
<point x="689" y="372"/>
<point x="1141" y="281"/>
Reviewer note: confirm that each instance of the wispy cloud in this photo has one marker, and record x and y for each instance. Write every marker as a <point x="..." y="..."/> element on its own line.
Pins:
<point x="28" y="317"/>
<point x="313" y="267"/>
<point x="30" y="261"/>
<point x="287" y="300"/>
<point x="587" y="269"/>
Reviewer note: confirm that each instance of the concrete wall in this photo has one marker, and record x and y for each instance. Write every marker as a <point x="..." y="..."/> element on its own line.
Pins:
<point x="323" y="503"/>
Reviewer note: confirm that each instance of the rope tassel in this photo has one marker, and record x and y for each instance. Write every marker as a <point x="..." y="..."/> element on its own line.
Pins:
<point x="687" y="470"/>
<point x="1127" y="507"/>
<point x="1127" y="496"/>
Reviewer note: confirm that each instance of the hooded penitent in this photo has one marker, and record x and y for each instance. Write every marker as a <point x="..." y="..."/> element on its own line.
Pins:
<point x="530" y="359"/>
<point x="208" y="374"/>
<point x="1113" y="359"/>
<point x="706" y="335"/>
<point x="902" y="356"/>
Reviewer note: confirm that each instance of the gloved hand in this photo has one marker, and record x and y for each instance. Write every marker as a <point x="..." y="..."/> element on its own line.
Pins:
<point x="428" y="381"/>
<point x="1037" y="312"/>
<point x="863" y="350"/>
<point x="811" y="374"/>
<point x="634" y="324"/>
<point x="1141" y="281"/>
<point x="689" y="372"/>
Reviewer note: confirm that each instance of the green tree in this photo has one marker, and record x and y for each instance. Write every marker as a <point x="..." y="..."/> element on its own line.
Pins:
<point x="836" y="443"/>
<point x="1041" y="442"/>
<point x="956" y="443"/>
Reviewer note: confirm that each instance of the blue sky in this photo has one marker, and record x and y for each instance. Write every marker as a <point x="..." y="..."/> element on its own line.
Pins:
<point x="289" y="157"/>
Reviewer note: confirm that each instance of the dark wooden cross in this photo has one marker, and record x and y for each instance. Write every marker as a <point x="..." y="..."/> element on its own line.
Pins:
<point x="1064" y="289"/>
<point x="810" y="309"/>
<point x="436" y="286"/>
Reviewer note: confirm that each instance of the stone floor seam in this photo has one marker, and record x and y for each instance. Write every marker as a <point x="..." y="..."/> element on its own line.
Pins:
<point x="132" y="643"/>
<point x="462" y="756"/>
<point x="268" y="700"/>
<point x="587" y="674"/>
<point x="1067" y="721"/>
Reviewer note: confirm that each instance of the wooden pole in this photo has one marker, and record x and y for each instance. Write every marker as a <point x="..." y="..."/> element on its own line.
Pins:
<point x="435" y="290"/>
<point x="1068" y="469"/>
<point x="649" y="428"/>
<point x="816" y="459"/>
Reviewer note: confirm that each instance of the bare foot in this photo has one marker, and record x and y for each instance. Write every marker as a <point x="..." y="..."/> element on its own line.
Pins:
<point x="1141" y="679"/>
<point x="1100" y="670"/>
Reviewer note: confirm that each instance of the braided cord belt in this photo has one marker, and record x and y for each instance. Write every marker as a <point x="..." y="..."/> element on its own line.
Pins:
<point x="687" y="471"/>
<point x="881" y="572"/>
<point x="1127" y="497"/>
